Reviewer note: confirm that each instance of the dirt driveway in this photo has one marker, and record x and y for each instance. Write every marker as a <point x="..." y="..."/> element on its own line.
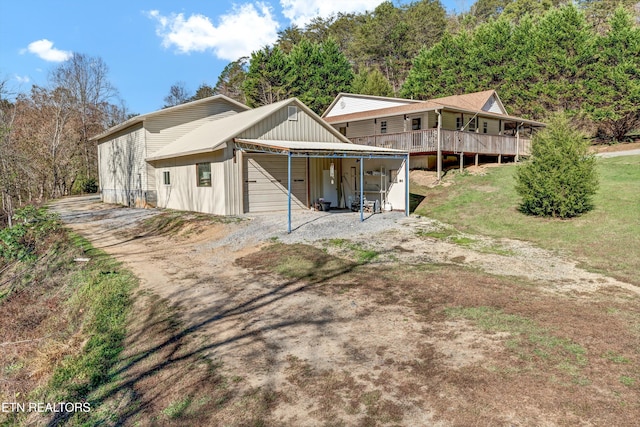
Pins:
<point x="349" y="348"/>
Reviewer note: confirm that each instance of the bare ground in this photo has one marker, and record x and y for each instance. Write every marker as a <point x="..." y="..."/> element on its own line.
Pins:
<point x="370" y="344"/>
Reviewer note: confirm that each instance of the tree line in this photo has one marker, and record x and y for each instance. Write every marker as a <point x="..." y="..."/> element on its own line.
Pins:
<point x="45" y="151"/>
<point x="541" y="57"/>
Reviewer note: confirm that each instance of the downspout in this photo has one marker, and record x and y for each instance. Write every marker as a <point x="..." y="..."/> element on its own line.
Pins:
<point x="406" y="183"/>
<point x="361" y="189"/>
<point x="439" y="153"/>
<point x="518" y="142"/>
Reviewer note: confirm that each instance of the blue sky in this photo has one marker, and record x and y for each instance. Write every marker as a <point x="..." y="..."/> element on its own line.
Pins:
<point x="149" y="45"/>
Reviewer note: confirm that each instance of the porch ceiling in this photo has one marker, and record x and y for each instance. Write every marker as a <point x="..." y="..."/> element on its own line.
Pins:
<point x="317" y="149"/>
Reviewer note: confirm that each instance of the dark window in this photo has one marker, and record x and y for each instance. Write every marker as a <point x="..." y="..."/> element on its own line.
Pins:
<point x="458" y="123"/>
<point x="383" y="126"/>
<point x="166" y="177"/>
<point x="416" y="124"/>
<point x="204" y="174"/>
<point x="343" y="130"/>
<point x="485" y="127"/>
<point x="473" y="124"/>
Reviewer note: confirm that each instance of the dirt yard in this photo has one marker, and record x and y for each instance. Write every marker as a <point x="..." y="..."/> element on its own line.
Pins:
<point x="398" y="327"/>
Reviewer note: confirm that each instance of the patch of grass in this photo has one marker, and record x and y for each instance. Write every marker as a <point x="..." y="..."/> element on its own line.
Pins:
<point x="628" y="381"/>
<point x="177" y="408"/>
<point x="615" y="357"/>
<point x="102" y="301"/>
<point x="602" y="238"/>
<point x="528" y="339"/>
<point x="362" y="254"/>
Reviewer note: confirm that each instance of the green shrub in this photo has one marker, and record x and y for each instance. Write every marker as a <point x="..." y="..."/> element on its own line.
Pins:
<point x="84" y="185"/>
<point x="560" y="179"/>
<point x="31" y="227"/>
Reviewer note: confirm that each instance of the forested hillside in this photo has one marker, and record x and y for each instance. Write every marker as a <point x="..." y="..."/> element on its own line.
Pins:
<point x="582" y="58"/>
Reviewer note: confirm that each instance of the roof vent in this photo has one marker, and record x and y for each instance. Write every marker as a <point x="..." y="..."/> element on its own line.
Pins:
<point x="293" y="113"/>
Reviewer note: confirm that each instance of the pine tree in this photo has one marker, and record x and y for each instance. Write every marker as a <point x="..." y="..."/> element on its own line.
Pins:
<point x="560" y="179"/>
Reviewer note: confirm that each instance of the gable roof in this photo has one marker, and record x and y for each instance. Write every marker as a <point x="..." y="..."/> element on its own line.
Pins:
<point x="142" y="117"/>
<point x="214" y="135"/>
<point x="370" y="97"/>
<point x="470" y="103"/>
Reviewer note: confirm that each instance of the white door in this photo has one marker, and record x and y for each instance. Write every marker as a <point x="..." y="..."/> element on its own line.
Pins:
<point x="329" y="190"/>
<point x="265" y="183"/>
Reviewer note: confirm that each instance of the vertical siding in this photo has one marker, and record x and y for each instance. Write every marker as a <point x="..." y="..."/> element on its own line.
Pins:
<point x="183" y="192"/>
<point x="122" y="169"/>
<point x="351" y="104"/>
<point x="277" y="126"/>
<point x="166" y="128"/>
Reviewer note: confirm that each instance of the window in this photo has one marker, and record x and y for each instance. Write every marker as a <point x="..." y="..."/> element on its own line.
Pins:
<point x="204" y="174"/>
<point x="383" y="126"/>
<point x="485" y="127"/>
<point x="472" y="124"/>
<point x="458" y="123"/>
<point x="343" y="130"/>
<point x="293" y="113"/>
<point x="166" y="178"/>
<point x="416" y="124"/>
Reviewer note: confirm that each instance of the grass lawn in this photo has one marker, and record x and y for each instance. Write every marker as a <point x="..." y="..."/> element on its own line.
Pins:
<point x="606" y="239"/>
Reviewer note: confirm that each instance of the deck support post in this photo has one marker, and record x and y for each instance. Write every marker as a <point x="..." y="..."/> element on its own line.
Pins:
<point x="499" y="159"/>
<point x="289" y="192"/>
<point x="517" y="158"/>
<point x="406" y="184"/>
<point x="477" y="159"/>
<point x="439" y="154"/>
<point x="461" y="162"/>
<point x="361" y="189"/>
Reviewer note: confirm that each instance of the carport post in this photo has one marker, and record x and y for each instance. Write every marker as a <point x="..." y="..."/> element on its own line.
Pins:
<point x="361" y="189"/>
<point x="289" y="191"/>
<point x="406" y="184"/>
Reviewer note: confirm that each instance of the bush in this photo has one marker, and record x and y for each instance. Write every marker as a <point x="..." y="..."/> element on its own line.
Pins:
<point x="84" y="185"/>
<point x="560" y="179"/>
<point x="32" y="225"/>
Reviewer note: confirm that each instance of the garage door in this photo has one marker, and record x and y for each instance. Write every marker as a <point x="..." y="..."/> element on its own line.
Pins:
<point x="265" y="183"/>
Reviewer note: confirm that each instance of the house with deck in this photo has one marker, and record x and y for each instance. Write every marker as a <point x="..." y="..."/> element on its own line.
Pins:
<point x="219" y="156"/>
<point x="465" y="126"/>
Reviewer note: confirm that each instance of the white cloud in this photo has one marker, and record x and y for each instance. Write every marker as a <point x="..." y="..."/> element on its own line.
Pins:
<point x="300" y="12"/>
<point x="245" y="29"/>
<point x="22" y="79"/>
<point x="45" y="50"/>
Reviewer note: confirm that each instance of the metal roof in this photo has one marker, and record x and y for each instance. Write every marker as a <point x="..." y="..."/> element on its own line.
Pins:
<point x="213" y="135"/>
<point x="309" y="148"/>
<point x="142" y="117"/>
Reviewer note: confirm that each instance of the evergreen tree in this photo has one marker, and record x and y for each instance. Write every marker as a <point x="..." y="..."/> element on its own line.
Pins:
<point x="560" y="179"/>
<point x="266" y="79"/>
<point x="317" y="73"/>
<point x="232" y="78"/>
<point x="613" y="83"/>
<point x="371" y="82"/>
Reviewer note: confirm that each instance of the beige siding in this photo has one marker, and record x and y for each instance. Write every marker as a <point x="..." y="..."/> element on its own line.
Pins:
<point x="165" y="129"/>
<point x="122" y="169"/>
<point x="316" y="168"/>
<point x="278" y="127"/>
<point x="266" y="183"/>
<point x="183" y="193"/>
<point x="374" y="182"/>
<point x="352" y="104"/>
<point x="361" y="128"/>
<point x="449" y="120"/>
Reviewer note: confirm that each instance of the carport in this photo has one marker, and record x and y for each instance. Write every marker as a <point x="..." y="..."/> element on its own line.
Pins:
<point x="326" y="150"/>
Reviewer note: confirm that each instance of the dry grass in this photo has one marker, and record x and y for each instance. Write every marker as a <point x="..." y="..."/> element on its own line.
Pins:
<point x="563" y="360"/>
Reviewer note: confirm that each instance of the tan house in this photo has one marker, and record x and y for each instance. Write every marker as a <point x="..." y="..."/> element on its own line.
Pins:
<point x="463" y="125"/>
<point x="218" y="156"/>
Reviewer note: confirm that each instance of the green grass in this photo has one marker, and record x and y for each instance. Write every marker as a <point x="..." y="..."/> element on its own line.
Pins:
<point x="101" y="301"/>
<point x="529" y="340"/>
<point x="363" y="255"/>
<point x="605" y="239"/>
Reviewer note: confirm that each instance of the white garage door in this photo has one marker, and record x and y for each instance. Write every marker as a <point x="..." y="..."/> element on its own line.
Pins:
<point x="265" y="183"/>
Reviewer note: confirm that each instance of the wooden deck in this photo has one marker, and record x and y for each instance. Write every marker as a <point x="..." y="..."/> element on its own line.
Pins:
<point x="456" y="142"/>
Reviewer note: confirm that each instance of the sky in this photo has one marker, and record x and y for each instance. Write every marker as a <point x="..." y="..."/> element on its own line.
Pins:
<point x="150" y="45"/>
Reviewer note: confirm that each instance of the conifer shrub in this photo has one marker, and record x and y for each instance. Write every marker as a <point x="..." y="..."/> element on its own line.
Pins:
<point x="560" y="179"/>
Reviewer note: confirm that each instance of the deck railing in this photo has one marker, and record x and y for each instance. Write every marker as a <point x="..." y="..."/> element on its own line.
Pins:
<point x="453" y="141"/>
